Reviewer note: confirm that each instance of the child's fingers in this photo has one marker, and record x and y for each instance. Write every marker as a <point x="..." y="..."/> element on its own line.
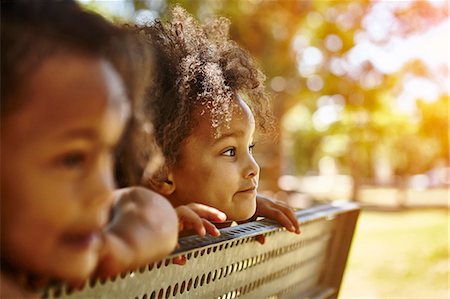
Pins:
<point x="208" y="212"/>
<point x="196" y="222"/>
<point x="190" y="219"/>
<point x="210" y="228"/>
<point x="280" y="216"/>
<point x="261" y="239"/>
<point x="199" y="227"/>
<point x="289" y="212"/>
<point x="179" y="260"/>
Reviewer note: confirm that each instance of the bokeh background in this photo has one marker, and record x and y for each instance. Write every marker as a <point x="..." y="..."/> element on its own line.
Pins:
<point x="361" y="93"/>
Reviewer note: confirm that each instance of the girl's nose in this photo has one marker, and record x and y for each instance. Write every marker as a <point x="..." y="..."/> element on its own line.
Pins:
<point x="102" y="185"/>
<point x="252" y="168"/>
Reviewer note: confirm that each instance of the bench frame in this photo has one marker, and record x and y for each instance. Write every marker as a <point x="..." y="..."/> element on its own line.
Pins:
<point x="235" y="265"/>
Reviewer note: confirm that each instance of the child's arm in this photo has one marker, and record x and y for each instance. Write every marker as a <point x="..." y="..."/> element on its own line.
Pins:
<point x="277" y="210"/>
<point x="143" y="229"/>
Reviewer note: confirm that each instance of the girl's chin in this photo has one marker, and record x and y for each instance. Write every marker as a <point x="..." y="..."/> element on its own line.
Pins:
<point x="245" y="215"/>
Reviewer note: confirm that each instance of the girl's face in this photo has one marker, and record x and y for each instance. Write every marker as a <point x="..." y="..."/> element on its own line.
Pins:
<point x="219" y="171"/>
<point x="56" y="172"/>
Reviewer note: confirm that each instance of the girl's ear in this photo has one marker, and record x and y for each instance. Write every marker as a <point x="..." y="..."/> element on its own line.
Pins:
<point x="161" y="181"/>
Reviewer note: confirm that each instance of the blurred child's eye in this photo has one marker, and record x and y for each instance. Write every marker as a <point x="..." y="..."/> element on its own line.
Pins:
<point x="230" y="152"/>
<point x="250" y="148"/>
<point x="73" y="160"/>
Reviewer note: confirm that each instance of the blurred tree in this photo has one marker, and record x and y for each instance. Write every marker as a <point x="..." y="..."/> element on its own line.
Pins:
<point x="368" y="94"/>
<point x="435" y="125"/>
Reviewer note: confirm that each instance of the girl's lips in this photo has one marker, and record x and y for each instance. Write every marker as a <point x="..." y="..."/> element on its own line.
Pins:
<point x="249" y="190"/>
<point x="82" y="240"/>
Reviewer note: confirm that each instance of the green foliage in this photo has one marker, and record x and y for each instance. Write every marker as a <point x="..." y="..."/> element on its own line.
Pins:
<point x="435" y="124"/>
<point x="306" y="144"/>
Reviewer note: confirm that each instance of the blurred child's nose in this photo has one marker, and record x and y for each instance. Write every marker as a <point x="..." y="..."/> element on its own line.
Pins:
<point x="101" y="184"/>
<point x="251" y="168"/>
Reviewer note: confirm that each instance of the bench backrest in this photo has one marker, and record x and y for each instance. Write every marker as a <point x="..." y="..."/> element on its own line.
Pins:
<point x="236" y="265"/>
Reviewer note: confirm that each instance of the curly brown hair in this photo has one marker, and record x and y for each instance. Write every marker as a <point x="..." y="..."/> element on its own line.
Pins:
<point x="137" y="147"/>
<point x="198" y="66"/>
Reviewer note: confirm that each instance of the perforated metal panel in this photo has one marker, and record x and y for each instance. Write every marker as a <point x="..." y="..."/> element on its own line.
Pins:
<point x="236" y="265"/>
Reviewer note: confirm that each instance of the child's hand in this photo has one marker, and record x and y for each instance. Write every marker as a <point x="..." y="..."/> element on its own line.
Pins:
<point x="196" y="216"/>
<point x="192" y="216"/>
<point x="143" y="229"/>
<point x="278" y="211"/>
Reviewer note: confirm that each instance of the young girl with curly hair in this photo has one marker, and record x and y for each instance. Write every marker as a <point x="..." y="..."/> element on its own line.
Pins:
<point x="208" y="98"/>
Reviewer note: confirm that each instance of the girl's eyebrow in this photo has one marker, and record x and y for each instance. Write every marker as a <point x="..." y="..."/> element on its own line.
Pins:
<point x="235" y="134"/>
<point x="228" y="135"/>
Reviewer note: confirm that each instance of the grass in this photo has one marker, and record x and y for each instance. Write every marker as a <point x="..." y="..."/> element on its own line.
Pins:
<point x="399" y="255"/>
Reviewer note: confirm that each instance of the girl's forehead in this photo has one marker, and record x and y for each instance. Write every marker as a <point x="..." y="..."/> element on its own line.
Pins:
<point x="238" y="118"/>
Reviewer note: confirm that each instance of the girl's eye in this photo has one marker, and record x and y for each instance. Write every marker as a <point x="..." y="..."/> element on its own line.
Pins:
<point x="250" y="148"/>
<point x="73" y="160"/>
<point x="230" y="152"/>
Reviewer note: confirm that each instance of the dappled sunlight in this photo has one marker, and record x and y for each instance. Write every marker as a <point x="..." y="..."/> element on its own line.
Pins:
<point x="390" y="74"/>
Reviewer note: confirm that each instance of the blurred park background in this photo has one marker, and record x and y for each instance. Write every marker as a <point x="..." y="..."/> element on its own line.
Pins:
<point x="361" y="93"/>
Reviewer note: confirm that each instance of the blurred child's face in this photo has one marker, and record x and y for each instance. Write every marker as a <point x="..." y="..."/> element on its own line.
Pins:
<point x="220" y="171"/>
<point x="56" y="172"/>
